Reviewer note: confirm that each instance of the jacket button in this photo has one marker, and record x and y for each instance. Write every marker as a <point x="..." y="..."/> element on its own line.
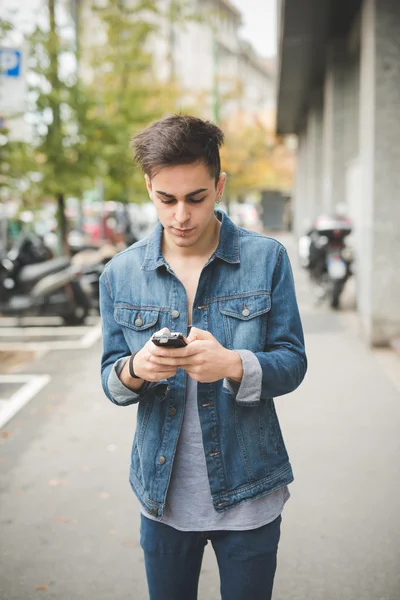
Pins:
<point x="172" y="411"/>
<point x="154" y="512"/>
<point x="162" y="460"/>
<point x="138" y="322"/>
<point x="245" y="312"/>
<point x="175" y="314"/>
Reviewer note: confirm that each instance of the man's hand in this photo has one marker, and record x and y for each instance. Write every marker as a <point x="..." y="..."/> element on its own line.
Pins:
<point x="148" y="369"/>
<point x="204" y="359"/>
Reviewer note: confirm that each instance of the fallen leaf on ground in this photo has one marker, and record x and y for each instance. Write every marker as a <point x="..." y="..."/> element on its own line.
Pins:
<point x="62" y="519"/>
<point x="42" y="587"/>
<point x="129" y="544"/>
<point x="54" y="482"/>
<point x="104" y="495"/>
<point x="5" y="434"/>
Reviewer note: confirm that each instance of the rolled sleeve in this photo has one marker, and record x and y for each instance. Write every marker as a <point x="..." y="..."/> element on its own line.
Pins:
<point x="248" y="391"/>
<point x="120" y="393"/>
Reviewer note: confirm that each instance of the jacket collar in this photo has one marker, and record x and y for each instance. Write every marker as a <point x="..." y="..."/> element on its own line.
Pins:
<point x="227" y="250"/>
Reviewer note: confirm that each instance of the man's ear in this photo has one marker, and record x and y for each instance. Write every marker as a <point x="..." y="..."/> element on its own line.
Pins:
<point x="221" y="185"/>
<point x="148" y="185"/>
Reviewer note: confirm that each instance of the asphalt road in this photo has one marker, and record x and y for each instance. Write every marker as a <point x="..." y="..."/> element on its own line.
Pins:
<point x="69" y="523"/>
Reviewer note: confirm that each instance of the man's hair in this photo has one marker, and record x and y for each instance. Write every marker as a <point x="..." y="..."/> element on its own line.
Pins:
<point x="178" y="140"/>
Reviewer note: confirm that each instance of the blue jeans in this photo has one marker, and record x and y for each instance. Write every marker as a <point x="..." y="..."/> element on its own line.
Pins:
<point x="246" y="560"/>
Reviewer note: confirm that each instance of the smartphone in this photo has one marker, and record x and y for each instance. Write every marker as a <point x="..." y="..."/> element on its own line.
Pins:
<point x="169" y="340"/>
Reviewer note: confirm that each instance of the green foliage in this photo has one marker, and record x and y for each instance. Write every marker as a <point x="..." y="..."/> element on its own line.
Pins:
<point x="254" y="158"/>
<point x="129" y="96"/>
<point x="82" y="130"/>
<point x="63" y="116"/>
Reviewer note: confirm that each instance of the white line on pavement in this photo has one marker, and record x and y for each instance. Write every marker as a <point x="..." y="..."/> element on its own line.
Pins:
<point x="37" y="321"/>
<point x="36" y="331"/>
<point x="91" y="337"/>
<point x="86" y="341"/>
<point x="32" y="386"/>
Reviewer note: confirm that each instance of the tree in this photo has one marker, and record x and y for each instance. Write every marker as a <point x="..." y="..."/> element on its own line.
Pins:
<point x="64" y="121"/>
<point x="129" y="96"/>
<point x="254" y="158"/>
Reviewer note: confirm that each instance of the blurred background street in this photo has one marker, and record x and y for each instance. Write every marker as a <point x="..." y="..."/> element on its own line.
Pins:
<point x="308" y="95"/>
<point x="70" y="523"/>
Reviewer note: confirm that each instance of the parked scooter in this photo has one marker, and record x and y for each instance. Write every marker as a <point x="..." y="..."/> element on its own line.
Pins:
<point x="51" y="287"/>
<point x="327" y="256"/>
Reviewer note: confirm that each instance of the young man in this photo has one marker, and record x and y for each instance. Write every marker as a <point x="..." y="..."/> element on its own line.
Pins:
<point x="208" y="459"/>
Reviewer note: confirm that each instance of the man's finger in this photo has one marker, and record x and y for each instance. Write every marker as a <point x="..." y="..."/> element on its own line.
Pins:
<point x="181" y="353"/>
<point x="199" y="334"/>
<point x="163" y="371"/>
<point x="168" y="361"/>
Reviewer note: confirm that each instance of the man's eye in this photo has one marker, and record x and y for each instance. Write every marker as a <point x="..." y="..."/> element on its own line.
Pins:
<point x="197" y="201"/>
<point x="167" y="201"/>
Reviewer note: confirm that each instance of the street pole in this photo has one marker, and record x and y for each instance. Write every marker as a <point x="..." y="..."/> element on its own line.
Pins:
<point x="216" y="100"/>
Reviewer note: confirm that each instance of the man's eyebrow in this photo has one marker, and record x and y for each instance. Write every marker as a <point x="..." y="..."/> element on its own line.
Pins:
<point x="187" y="195"/>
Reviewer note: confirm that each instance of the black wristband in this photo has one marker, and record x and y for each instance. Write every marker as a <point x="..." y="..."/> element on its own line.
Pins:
<point x="131" y="371"/>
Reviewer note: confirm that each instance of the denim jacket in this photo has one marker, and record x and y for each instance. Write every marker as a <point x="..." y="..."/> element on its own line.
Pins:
<point x="246" y="299"/>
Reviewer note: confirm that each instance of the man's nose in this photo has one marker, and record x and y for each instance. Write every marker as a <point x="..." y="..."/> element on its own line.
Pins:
<point x="181" y="214"/>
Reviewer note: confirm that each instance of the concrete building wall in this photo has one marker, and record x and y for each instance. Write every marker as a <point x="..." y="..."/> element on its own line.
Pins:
<point x="379" y="275"/>
<point x="300" y="205"/>
<point x="334" y="122"/>
<point x="196" y="52"/>
<point x="360" y="150"/>
<point x="314" y="156"/>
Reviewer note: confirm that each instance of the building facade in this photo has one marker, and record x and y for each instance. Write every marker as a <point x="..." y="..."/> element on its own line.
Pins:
<point x="339" y="91"/>
<point x="214" y="67"/>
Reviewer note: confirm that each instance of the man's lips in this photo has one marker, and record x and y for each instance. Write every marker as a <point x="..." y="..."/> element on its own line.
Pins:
<point x="180" y="231"/>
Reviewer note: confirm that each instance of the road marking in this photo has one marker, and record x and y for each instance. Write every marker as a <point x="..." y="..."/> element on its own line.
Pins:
<point x="47" y="331"/>
<point x="31" y="386"/>
<point x="90" y="337"/>
<point x="37" y="321"/>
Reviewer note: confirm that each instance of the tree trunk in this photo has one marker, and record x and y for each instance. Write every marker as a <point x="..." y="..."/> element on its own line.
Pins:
<point x="62" y="225"/>
<point x="54" y="134"/>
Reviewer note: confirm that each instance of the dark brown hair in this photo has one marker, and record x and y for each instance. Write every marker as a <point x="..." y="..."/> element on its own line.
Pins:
<point x="178" y="140"/>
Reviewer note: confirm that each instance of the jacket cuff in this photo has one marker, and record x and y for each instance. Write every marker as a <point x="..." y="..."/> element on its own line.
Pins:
<point x="120" y="393"/>
<point x="248" y="391"/>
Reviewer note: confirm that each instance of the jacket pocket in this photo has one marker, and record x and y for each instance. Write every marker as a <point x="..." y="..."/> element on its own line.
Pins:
<point x="137" y="324"/>
<point x="245" y="321"/>
<point x="136" y="318"/>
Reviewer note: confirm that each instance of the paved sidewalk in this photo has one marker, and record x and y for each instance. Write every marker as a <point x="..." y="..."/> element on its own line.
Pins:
<point x="69" y="522"/>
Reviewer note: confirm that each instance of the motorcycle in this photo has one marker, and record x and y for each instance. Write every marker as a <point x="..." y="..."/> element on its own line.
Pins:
<point x="50" y="287"/>
<point x="327" y="256"/>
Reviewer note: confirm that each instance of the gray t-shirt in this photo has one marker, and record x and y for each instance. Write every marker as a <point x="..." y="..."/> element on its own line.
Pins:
<point x="189" y="504"/>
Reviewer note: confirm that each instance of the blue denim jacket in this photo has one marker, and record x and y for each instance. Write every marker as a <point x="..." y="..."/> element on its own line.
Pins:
<point x="246" y="299"/>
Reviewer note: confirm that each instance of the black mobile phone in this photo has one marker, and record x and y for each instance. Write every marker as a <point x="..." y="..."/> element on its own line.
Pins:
<point x="169" y="340"/>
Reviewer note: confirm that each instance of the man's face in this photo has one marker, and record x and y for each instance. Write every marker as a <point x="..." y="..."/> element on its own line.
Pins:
<point x="185" y="197"/>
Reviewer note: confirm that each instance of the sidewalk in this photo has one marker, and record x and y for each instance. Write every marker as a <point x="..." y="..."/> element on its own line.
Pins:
<point x="69" y="525"/>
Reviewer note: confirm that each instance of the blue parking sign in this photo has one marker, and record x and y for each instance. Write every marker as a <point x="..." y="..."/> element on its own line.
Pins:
<point x="10" y="62"/>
